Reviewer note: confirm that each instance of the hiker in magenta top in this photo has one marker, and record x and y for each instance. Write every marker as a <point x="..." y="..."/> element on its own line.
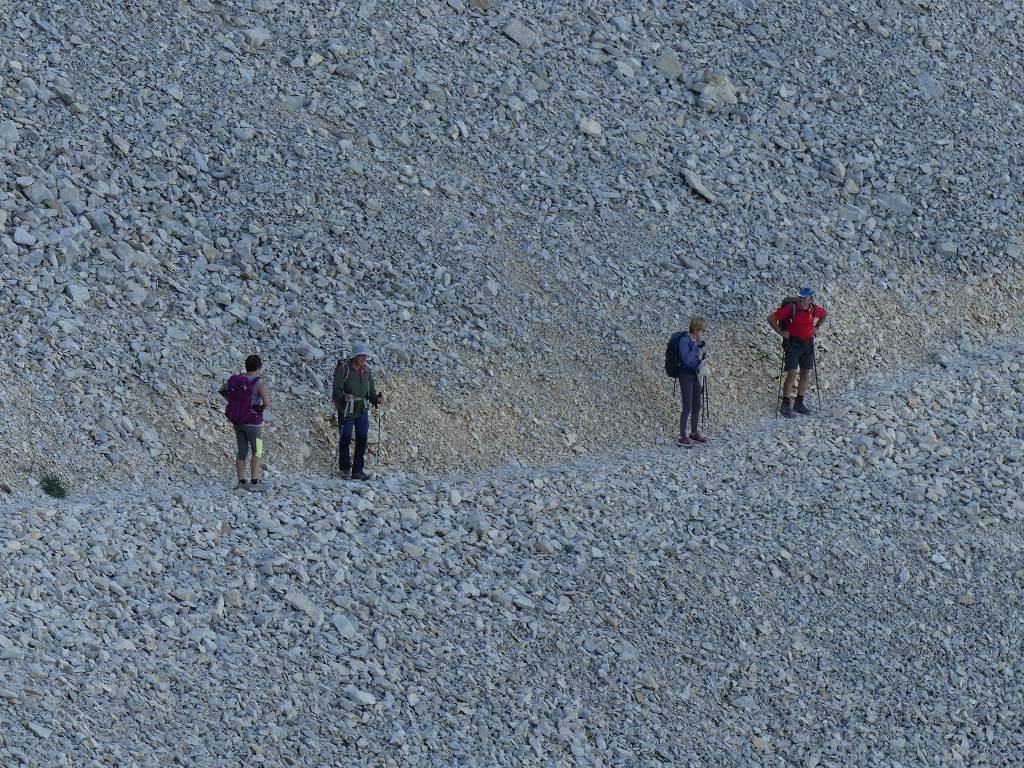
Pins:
<point x="247" y="398"/>
<point x="353" y="390"/>
<point x="796" y="322"/>
<point x="691" y="355"/>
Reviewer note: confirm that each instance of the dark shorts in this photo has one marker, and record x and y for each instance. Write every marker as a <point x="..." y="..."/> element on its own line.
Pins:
<point x="798" y="354"/>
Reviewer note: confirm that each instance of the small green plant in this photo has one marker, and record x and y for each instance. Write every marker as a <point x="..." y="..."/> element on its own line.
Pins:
<point x="53" y="486"/>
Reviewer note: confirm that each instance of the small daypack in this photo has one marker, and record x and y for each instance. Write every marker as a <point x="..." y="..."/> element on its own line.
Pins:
<point x="240" y="392"/>
<point x="673" y="365"/>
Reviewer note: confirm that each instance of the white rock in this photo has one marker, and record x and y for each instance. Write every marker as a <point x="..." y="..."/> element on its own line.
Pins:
<point x="257" y="36"/>
<point x="590" y="126"/>
<point x="363" y="698"/>
<point x="345" y="626"/>
<point x="698" y="186"/>
<point x="39" y="730"/>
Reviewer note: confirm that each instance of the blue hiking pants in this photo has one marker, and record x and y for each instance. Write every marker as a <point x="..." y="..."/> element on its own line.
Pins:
<point x="346" y="426"/>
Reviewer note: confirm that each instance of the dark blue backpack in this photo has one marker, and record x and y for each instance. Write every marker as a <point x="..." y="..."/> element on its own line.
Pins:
<point x="673" y="365"/>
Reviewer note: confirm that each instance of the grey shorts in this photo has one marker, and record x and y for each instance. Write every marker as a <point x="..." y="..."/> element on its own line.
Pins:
<point x="798" y="354"/>
<point x="249" y="437"/>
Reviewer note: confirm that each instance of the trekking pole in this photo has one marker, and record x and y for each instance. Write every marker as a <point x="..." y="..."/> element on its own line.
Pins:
<point x="376" y="449"/>
<point x="707" y="405"/>
<point x="337" y="434"/>
<point x="817" y="385"/>
<point x="380" y="421"/>
<point x="704" y="408"/>
<point x="782" y="376"/>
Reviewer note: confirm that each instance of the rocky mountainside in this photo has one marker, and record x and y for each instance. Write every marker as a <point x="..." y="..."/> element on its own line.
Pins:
<point x="859" y="607"/>
<point x="512" y="203"/>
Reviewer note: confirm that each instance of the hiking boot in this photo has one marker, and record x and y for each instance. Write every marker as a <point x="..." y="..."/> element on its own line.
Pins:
<point x="787" y="408"/>
<point x="800" y="407"/>
<point x="360" y="475"/>
<point x="684" y="441"/>
<point x="242" y="486"/>
<point x="346" y="473"/>
<point x="697" y="437"/>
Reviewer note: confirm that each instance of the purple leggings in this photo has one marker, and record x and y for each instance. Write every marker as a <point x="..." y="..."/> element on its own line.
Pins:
<point x="689" y="386"/>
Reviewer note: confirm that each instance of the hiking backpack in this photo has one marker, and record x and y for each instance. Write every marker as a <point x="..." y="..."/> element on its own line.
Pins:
<point x="241" y="391"/>
<point x="342" y="369"/>
<point x="792" y="303"/>
<point x="339" y="367"/>
<point x="673" y="365"/>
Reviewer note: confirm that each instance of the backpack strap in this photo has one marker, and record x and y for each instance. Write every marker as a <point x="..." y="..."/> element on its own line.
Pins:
<point x="792" y="315"/>
<point x="690" y="344"/>
<point x="683" y="336"/>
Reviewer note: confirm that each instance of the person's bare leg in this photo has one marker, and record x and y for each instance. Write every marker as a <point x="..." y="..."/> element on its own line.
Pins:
<point x="255" y="467"/>
<point x="805" y="380"/>
<point x="240" y="470"/>
<point x="787" y="387"/>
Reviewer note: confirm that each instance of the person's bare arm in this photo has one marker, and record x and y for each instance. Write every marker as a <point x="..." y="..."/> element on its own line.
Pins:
<point x="821" y="320"/>
<point x="774" y="323"/>
<point x="264" y="396"/>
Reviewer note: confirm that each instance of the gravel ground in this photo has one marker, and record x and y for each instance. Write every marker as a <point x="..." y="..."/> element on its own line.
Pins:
<point x="515" y="205"/>
<point x="855" y="600"/>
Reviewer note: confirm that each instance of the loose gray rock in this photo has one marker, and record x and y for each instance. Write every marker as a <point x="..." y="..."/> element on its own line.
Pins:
<point x="669" y="66"/>
<point x="79" y="294"/>
<point x="9" y="134"/>
<point x="522" y="34"/>
<point x="590" y="126"/>
<point x="698" y="186"/>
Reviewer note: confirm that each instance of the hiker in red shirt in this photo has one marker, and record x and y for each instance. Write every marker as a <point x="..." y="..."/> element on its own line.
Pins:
<point x="796" y="322"/>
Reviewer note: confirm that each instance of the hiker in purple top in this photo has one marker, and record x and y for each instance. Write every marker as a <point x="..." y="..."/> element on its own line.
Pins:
<point x="247" y="398"/>
<point x="691" y="355"/>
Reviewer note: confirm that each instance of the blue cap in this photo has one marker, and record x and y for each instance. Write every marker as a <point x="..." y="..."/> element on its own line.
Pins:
<point x="806" y="293"/>
<point x="359" y="349"/>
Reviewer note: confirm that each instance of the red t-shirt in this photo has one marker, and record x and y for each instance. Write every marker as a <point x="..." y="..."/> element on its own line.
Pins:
<point x="802" y="327"/>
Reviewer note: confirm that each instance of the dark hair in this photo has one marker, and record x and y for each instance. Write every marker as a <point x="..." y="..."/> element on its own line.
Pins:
<point x="253" y="363"/>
